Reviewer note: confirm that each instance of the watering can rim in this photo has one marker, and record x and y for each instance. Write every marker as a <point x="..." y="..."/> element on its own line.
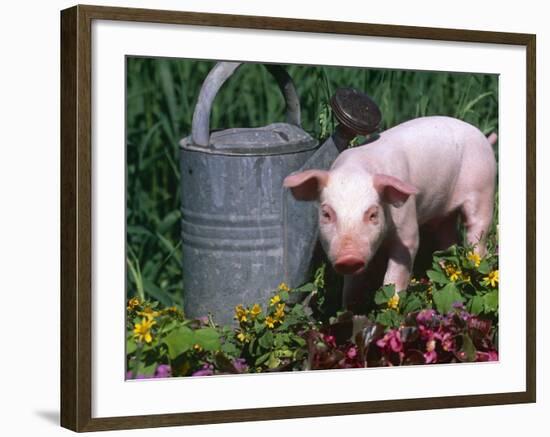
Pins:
<point x="307" y="144"/>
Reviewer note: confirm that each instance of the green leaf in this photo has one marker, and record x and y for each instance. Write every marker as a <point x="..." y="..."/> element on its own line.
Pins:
<point x="298" y="340"/>
<point x="266" y="340"/>
<point x="476" y="305"/>
<point x="384" y="294"/>
<point x="230" y="349"/>
<point x="449" y="253"/>
<point x="208" y="338"/>
<point x="158" y="293"/>
<point x="306" y="287"/>
<point x="262" y="358"/>
<point x="438" y="277"/>
<point x="138" y="230"/>
<point x="252" y="346"/>
<point x="283" y="353"/>
<point x="167" y="327"/>
<point x="484" y="267"/>
<point x="446" y="297"/>
<point x="471" y="103"/>
<point x="148" y="370"/>
<point x="180" y="340"/>
<point x="280" y="340"/>
<point x="409" y="303"/>
<point x="468" y="348"/>
<point x="273" y="361"/>
<point x="130" y="346"/>
<point x="319" y="280"/>
<point x="389" y="318"/>
<point x="490" y="301"/>
<point x="168" y="221"/>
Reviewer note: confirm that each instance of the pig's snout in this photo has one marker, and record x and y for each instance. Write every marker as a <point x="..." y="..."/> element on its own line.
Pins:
<point x="349" y="265"/>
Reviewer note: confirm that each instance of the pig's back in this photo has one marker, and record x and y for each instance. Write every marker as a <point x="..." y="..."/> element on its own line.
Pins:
<point x="431" y="153"/>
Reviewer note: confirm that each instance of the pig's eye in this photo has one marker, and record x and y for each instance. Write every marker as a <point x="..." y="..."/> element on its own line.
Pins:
<point x="371" y="215"/>
<point x="327" y="214"/>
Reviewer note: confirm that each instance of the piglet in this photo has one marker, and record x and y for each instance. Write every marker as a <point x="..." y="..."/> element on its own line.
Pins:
<point x="425" y="171"/>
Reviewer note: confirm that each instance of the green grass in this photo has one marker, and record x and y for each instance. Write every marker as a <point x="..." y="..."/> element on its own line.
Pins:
<point x="161" y="95"/>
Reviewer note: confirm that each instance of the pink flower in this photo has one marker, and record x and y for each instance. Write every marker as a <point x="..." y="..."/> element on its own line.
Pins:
<point x="426" y="334"/>
<point x="330" y="340"/>
<point x="430" y="357"/>
<point x="240" y="365"/>
<point x="425" y="317"/>
<point x="487" y="356"/>
<point x="391" y="341"/>
<point x="351" y="353"/>
<point x="207" y="370"/>
<point x="446" y="339"/>
<point x="163" y="371"/>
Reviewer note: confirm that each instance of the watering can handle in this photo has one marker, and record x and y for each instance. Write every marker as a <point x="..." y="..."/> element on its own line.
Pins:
<point x="214" y="81"/>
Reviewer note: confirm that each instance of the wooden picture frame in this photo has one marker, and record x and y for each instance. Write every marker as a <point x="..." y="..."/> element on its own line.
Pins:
<point x="76" y="217"/>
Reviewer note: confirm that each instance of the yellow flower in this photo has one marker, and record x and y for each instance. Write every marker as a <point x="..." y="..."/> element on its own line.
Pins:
<point x="393" y="302"/>
<point x="241" y="313"/>
<point x="283" y="287"/>
<point x="142" y="331"/>
<point x="132" y="303"/>
<point x="270" y="322"/>
<point x="255" y="311"/>
<point x="149" y="313"/>
<point x="275" y="300"/>
<point x="455" y="276"/>
<point x="466" y="277"/>
<point x="170" y="310"/>
<point x="474" y="258"/>
<point x="492" y="278"/>
<point x="242" y="337"/>
<point x="452" y="272"/>
<point x="280" y="311"/>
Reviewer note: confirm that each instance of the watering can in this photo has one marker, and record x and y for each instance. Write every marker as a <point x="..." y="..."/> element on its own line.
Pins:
<point x="242" y="233"/>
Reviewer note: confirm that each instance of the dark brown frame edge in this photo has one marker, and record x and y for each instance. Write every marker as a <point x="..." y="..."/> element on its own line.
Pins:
<point x="76" y="225"/>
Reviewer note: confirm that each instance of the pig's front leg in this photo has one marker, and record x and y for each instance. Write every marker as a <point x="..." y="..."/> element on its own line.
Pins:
<point x="402" y="248"/>
<point x="353" y="295"/>
<point x="358" y="287"/>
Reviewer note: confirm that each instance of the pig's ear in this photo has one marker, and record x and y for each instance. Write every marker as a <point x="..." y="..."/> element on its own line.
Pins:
<point x="393" y="190"/>
<point x="307" y="184"/>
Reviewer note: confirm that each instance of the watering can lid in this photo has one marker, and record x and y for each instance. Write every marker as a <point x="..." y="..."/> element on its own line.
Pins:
<point x="273" y="139"/>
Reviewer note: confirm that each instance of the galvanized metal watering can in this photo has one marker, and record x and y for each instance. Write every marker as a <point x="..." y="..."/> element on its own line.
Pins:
<point x="242" y="233"/>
